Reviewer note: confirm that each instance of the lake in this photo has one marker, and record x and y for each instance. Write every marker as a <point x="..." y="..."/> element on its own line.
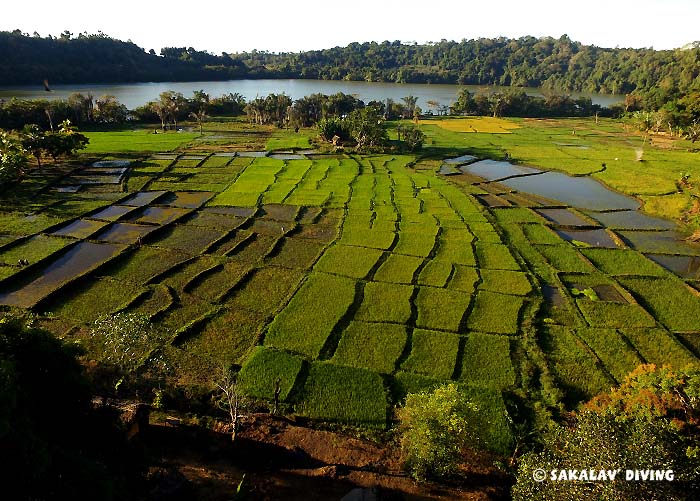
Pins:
<point x="136" y="94"/>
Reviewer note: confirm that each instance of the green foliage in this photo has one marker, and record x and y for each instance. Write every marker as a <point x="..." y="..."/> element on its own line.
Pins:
<point x="59" y="445"/>
<point x="13" y="159"/>
<point x="650" y="422"/>
<point x="413" y="137"/>
<point x="333" y="126"/>
<point x="434" y="428"/>
<point x="366" y="128"/>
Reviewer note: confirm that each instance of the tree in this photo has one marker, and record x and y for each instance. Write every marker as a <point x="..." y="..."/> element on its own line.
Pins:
<point x="410" y="102"/>
<point x="230" y="400"/>
<point x="13" y="158"/>
<point x="64" y="142"/>
<point x="464" y="103"/>
<point x="109" y="110"/>
<point x="34" y="141"/>
<point x="60" y="446"/>
<point x="650" y="422"/>
<point x="413" y="137"/>
<point x="199" y="116"/>
<point x="434" y="429"/>
<point x="366" y="127"/>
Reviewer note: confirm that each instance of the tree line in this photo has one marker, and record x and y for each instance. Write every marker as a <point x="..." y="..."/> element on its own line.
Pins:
<point x="560" y="64"/>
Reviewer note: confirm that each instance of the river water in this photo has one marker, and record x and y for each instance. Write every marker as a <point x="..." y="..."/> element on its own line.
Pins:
<point x="137" y="94"/>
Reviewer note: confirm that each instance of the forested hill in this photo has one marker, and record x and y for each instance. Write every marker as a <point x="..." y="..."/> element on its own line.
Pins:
<point x="100" y="59"/>
<point x="560" y="64"/>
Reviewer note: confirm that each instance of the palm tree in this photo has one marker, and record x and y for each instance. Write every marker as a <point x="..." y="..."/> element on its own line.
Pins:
<point x="199" y="116"/>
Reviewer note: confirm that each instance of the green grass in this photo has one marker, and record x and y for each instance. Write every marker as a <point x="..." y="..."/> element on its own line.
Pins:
<point x="296" y="253"/>
<point x="516" y="215"/>
<point x="607" y="314"/>
<point x="136" y="141"/>
<point x="495" y="256"/>
<point x="456" y="251"/>
<point x="540" y="234"/>
<point x="212" y="286"/>
<point x="263" y="368"/>
<point x="355" y="262"/>
<point x="659" y="347"/>
<point x="267" y="289"/>
<point x="285" y="139"/>
<point x="364" y="237"/>
<point x="668" y="300"/>
<point x="617" y="356"/>
<point x="192" y="239"/>
<point x="564" y="258"/>
<point x="418" y="241"/>
<point x="96" y="298"/>
<point x="436" y="273"/>
<point x="307" y="321"/>
<point x="623" y="262"/>
<point x="227" y="338"/>
<point x="146" y="263"/>
<point x="505" y="282"/>
<point x="386" y="302"/>
<point x="433" y="353"/>
<point x="398" y="269"/>
<point x="574" y="367"/>
<point x="464" y="279"/>
<point x="441" y="309"/>
<point x="493" y="426"/>
<point x="35" y="249"/>
<point x="486" y="361"/>
<point x="376" y="347"/>
<point x="342" y="394"/>
<point x="497" y="313"/>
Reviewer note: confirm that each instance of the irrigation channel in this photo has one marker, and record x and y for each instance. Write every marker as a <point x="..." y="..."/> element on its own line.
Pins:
<point x="582" y="210"/>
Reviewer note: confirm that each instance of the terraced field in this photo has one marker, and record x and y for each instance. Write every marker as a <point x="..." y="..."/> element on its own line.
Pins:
<point x="353" y="280"/>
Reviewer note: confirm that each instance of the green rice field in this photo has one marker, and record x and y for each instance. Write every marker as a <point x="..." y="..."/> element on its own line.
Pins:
<point x="350" y="279"/>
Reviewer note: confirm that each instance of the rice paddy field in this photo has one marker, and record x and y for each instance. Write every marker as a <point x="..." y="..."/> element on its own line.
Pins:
<point x="355" y="279"/>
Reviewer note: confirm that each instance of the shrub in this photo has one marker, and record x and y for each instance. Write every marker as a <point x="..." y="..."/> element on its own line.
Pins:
<point x="434" y="428"/>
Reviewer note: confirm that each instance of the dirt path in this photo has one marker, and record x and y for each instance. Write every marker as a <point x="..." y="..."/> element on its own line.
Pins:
<point x="282" y="460"/>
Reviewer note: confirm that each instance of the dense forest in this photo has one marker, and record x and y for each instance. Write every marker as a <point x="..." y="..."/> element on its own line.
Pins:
<point x="559" y="64"/>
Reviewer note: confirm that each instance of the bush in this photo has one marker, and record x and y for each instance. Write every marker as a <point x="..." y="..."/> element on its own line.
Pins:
<point x="332" y="126"/>
<point x="650" y="422"/>
<point x="434" y="429"/>
<point x="13" y="159"/>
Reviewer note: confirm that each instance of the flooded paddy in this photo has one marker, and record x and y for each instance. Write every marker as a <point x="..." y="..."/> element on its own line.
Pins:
<point x="143" y="198"/>
<point x="125" y="233"/>
<point x="78" y="260"/>
<point x="595" y="238"/>
<point x="187" y="199"/>
<point x="158" y="215"/>
<point x="661" y="242"/>
<point x="82" y="228"/>
<point x="113" y="212"/>
<point x="684" y="266"/>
